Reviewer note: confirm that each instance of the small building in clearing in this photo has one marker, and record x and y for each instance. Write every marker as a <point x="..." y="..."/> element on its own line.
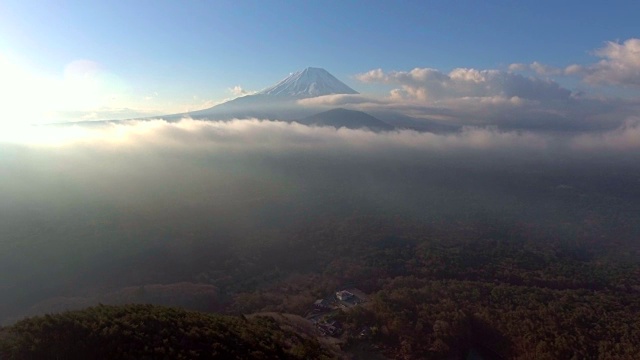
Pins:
<point x="344" y="295"/>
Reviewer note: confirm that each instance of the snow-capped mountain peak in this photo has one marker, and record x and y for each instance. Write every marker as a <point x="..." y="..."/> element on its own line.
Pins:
<point x="310" y="82"/>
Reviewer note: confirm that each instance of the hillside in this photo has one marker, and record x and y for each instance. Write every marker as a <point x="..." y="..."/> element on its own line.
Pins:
<point x="350" y="119"/>
<point x="153" y="332"/>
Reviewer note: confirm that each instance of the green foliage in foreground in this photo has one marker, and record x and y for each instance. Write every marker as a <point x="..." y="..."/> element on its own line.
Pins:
<point x="152" y="332"/>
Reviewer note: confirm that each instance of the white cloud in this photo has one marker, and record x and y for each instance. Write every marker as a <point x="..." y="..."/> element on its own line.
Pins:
<point x="538" y="68"/>
<point x="624" y="138"/>
<point x="253" y="135"/>
<point x="620" y="65"/>
<point x="339" y="100"/>
<point x="511" y="99"/>
<point x="545" y="70"/>
<point x="239" y="91"/>
<point x="375" y="75"/>
<point x="431" y="85"/>
<point x="491" y="97"/>
<point x="574" y="69"/>
<point x="518" y="67"/>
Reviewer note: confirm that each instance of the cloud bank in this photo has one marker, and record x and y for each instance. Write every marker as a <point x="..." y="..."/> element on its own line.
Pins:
<point x="431" y="84"/>
<point x="257" y="136"/>
<point x="619" y="66"/>
<point x="471" y="97"/>
<point x="511" y="100"/>
<point x="522" y="97"/>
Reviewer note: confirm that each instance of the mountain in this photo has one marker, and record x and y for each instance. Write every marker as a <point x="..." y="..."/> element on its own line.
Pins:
<point x="278" y="101"/>
<point x="310" y="82"/>
<point x="401" y="121"/>
<point x="350" y="119"/>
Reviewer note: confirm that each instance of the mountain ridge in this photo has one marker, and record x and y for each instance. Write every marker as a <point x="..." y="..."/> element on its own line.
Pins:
<point x="345" y="118"/>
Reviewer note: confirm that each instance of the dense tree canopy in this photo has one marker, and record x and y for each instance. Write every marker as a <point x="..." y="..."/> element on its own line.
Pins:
<point x="153" y="332"/>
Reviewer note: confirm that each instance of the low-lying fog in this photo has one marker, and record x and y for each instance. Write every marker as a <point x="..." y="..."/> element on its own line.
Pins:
<point x="88" y="211"/>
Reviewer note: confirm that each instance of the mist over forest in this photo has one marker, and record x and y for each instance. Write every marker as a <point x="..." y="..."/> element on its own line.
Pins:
<point x="94" y="213"/>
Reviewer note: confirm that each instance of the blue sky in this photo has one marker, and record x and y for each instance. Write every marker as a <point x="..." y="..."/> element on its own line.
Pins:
<point x="92" y="60"/>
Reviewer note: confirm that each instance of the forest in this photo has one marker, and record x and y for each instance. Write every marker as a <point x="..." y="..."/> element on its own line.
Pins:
<point x="502" y="254"/>
<point x="434" y="293"/>
<point x="153" y="332"/>
<point x="498" y="290"/>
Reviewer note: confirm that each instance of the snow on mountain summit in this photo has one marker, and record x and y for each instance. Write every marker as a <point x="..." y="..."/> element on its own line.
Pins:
<point x="310" y="82"/>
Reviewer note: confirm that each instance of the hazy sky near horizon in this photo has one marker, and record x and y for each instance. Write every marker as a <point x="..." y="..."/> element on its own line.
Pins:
<point x="73" y="60"/>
